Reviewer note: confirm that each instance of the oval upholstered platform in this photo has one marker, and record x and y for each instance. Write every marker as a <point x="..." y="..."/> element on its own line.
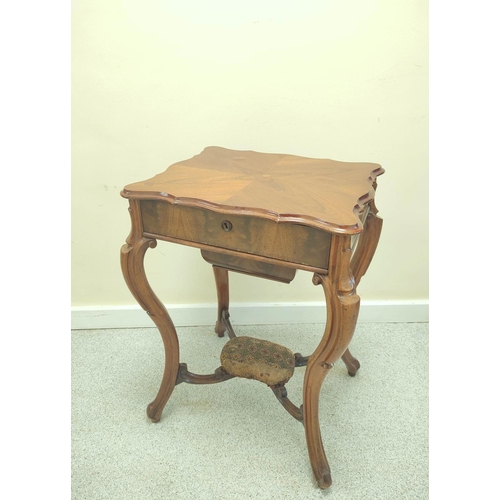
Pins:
<point x="257" y="359"/>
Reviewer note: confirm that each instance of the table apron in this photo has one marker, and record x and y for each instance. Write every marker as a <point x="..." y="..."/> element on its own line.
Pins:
<point x="303" y="247"/>
<point x="236" y="253"/>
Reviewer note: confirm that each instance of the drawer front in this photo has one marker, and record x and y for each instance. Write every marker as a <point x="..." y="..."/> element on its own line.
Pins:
<point x="282" y="241"/>
<point x="249" y="266"/>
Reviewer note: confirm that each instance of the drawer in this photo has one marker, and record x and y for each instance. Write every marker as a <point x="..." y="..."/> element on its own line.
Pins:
<point x="285" y="241"/>
<point x="250" y="266"/>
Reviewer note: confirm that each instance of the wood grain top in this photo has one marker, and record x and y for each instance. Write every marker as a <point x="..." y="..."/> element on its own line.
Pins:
<point x="320" y="193"/>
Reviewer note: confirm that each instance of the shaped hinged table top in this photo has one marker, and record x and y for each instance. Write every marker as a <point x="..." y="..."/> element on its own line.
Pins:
<point x="320" y="193"/>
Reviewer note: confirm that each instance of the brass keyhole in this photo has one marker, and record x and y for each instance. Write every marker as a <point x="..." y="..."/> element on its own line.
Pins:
<point x="226" y="225"/>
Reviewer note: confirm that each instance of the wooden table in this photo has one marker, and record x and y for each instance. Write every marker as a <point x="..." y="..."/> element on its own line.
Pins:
<point x="266" y="215"/>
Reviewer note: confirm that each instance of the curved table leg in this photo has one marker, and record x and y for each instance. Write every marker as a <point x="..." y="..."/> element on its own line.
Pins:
<point x="368" y="241"/>
<point x="132" y="262"/>
<point x="342" y="305"/>
<point x="222" y="284"/>
<point x="360" y="261"/>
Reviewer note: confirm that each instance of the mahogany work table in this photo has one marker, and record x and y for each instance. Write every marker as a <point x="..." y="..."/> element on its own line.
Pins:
<point x="265" y="215"/>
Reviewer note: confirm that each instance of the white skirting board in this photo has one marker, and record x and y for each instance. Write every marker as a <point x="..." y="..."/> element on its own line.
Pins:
<point x="93" y="317"/>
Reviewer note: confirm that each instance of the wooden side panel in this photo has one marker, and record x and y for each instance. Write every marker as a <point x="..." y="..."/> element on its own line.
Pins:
<point x="285" y="241"/>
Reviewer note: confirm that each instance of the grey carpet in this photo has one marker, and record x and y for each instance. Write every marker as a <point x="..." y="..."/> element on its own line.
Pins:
<point x="233" y="440"/>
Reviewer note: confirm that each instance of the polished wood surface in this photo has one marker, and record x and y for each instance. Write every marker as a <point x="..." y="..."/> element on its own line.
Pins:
<point x="265" y="215"/>
<point x="319" y="193"/>
<point x="248" y="234"/>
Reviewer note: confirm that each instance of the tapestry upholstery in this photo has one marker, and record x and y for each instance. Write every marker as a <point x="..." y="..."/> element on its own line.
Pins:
<point x="258" y="359"/>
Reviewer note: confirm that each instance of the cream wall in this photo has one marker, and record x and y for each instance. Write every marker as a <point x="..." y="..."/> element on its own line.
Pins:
<point x="154" y="82"/>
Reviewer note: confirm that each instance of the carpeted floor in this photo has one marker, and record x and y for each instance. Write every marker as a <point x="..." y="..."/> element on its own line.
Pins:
<point x="233" y="440"/>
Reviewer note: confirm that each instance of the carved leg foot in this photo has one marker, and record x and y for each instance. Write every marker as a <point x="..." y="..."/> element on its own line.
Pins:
<point x="222" y="284"/>
<point x="313" y="380"/>
<point x="154" y="411"/>
<point x="351" y="363"/>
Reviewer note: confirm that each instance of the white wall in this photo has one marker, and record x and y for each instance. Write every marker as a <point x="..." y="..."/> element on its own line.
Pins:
<point x="154" y="82"/>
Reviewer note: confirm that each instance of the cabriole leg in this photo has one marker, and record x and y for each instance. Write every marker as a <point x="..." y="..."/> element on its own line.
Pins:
<point x="342" y="305"/>
<point x="222" y="284"/>
<point x="132" y="262"/>
<point x="360" y="262"/>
